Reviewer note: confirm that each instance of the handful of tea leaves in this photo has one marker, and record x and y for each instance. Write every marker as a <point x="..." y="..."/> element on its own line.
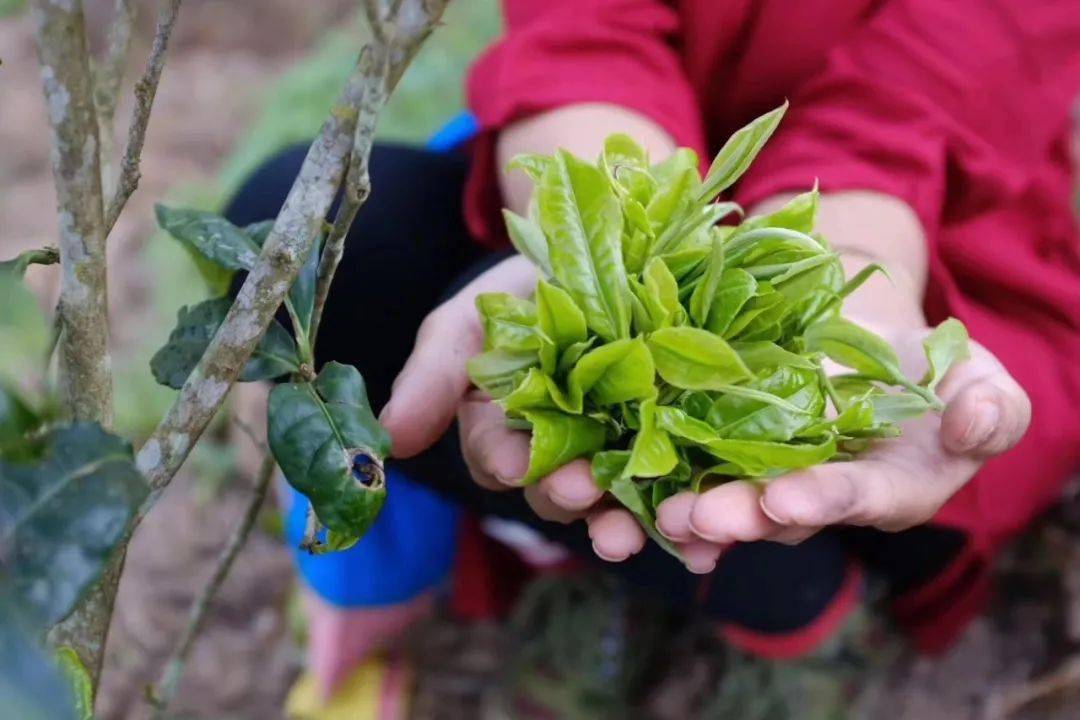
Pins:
<point x="678" y="353"/>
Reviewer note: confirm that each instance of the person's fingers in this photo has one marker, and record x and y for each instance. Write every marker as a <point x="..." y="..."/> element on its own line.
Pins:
<point x="700" y="556"/>
<point x="673" y="517"/>
<point x="892" y="491"/>
<point x="572" y="487"/>
<point x="615" y="534"/>
<point x="496" y="456"/>
<point x="426" y="392"/>
<point x="542" y="505"/>
<point x="731" y="512"/>
<point x="987" y="412"/>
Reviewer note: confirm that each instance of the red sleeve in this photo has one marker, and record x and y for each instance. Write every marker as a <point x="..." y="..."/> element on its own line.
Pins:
<point x="975" y="89"/>
<point x="561" y="52"/>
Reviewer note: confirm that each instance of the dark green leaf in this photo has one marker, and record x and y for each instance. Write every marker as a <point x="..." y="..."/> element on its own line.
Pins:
<point x="330" y="447"/>
<point x="31" y="686"/>
<point x="61" y="517"/>
<point x="609" y="465"/>
<point x="17" y="419"/>
<point x="210" y="235"/>
<point x="196" y="326"/>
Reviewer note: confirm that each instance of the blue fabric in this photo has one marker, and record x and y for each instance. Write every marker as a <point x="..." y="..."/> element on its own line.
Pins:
<point x="411" y="546"/>
<point x="454" y="133"/>
<point x="408" y="550"/>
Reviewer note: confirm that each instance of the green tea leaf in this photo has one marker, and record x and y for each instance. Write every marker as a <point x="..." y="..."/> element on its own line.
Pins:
<point x="82" y="687"/>
<point x="583" y="224"/>
<point x="528" y="239"/>
<point x="509" y="322"/>
<point x="62" y="515"/>
<point x="652" y="454"/>
<point x="627" y="492"/>
<point x="799" y="213"/>
<point x="497" y="371"/>
<point x="737" y="287"/>
<point x="614" y="373"/>
<point x="558" y="317"/>
<point x="760" y="356"/>
<point x="532" y="165"/>
<point x="743" y="418"/>
<point x="704" y="295"/>
<point x="945" y="346"/>
<point x="758" y="458"/>
<point x="196" y="326"/>
<point x="330" y="447"/>
<point x="855" y="347"/>
<point x="695" y="359"/>
<point x="738" y="152"/>
<point x="608" y="466"/>
<point x="558" y="438"/>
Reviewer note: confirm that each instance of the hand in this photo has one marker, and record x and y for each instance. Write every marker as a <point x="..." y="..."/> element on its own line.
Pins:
<point x="897" y="484"/>
<point x="433" y="389"/>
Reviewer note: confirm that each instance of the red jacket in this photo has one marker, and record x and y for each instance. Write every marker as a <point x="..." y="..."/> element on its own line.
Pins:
<point x="961" y="108"/>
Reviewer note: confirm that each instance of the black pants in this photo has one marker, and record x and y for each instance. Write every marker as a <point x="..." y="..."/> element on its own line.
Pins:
<point x="407" y="251"/>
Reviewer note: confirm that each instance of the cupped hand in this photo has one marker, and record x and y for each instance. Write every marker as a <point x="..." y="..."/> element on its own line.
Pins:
<point x="897" y="484"/>
<point x="433" y="388"/>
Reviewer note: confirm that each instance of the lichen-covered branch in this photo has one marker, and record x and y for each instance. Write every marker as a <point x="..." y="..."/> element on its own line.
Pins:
<point x="284" y="251"/>
<point x="145" y="90"/>
<point x="108" y="76"/>
<point x="174" y="668"/>
<point x="85" y="374"/>
<point x="374" y="66"/>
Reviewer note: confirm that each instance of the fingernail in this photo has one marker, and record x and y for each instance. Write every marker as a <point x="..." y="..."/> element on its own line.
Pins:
<point x="509" y="482"/>
<point x="608" y="558"/>
<point x="572" y="501"/>
<point x="982" y="426"/>
<point x="709" y="535"/>
<point x="772" y="514"/>
<point x="699" y="567"/>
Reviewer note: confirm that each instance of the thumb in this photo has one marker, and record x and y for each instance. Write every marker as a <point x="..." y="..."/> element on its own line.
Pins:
<point x="426" y="394"/>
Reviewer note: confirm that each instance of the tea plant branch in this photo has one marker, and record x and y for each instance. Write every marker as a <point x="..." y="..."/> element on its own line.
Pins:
<point x="85" y="374"/>
<point x="145" y="91"/>
<point x="174" y="667"/>
<point x="47" y="255"/>
<point x="289" y="243"/>
<point x="108" y="77"/>
<point x="374" y="67"/>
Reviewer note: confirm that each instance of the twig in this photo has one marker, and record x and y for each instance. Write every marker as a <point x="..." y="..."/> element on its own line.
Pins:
<point x="107" y="79"/>
<point x="145" y="90"/>
<point x="253" y="436"/>
<point x="374" y="66"/>
<point x="291" y="239"/>
<point x="85" y="377"/>
<point x="47" y="255"/>
<point x="174" y="668"/>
